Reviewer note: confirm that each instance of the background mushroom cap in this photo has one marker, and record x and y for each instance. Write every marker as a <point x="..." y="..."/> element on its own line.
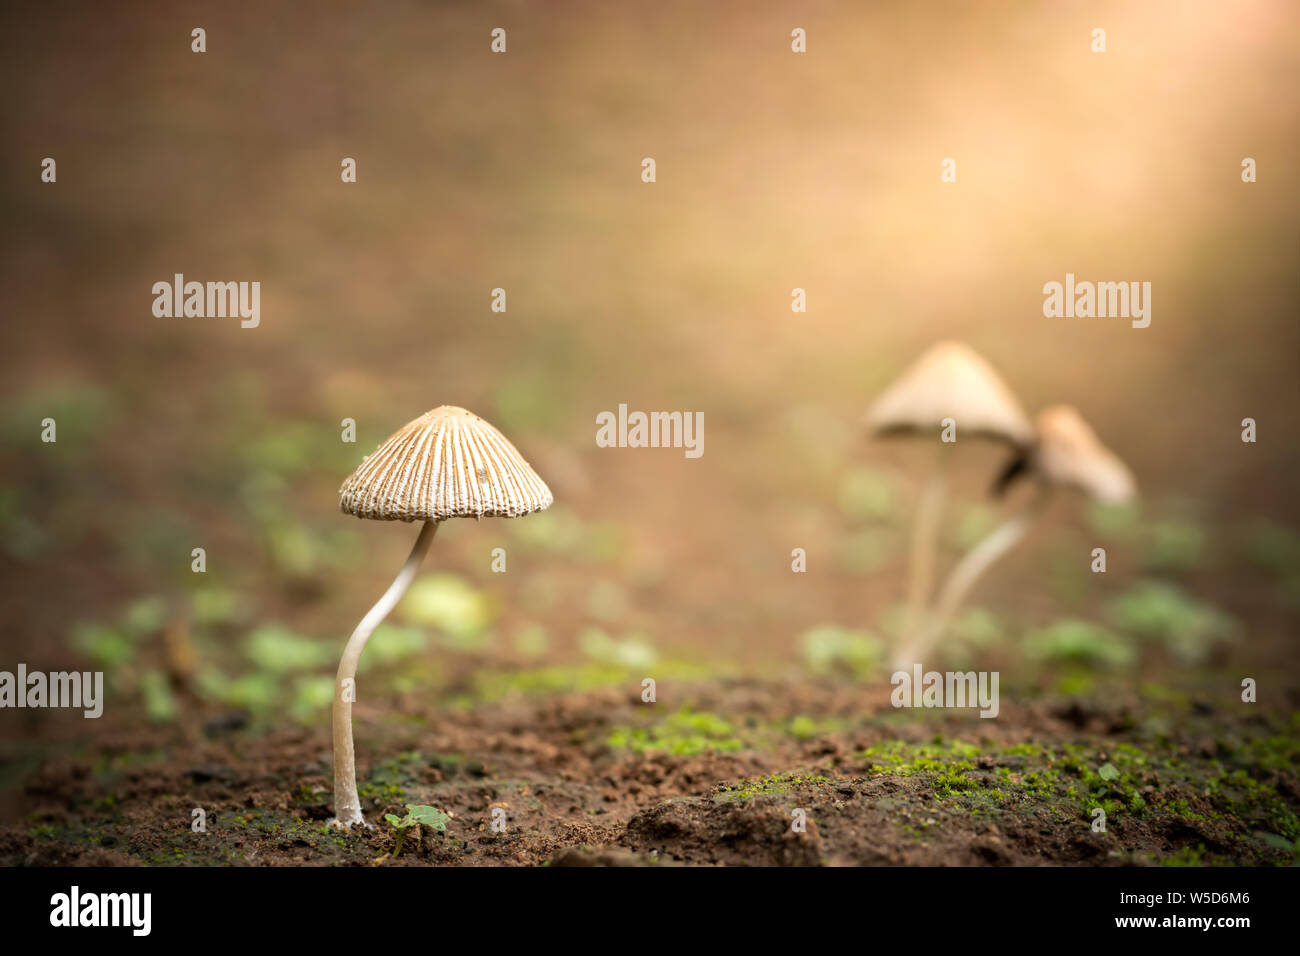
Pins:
<point x="448" y="463"/>
<point x="1070" y="453"/>
<point x="950" y="380"/>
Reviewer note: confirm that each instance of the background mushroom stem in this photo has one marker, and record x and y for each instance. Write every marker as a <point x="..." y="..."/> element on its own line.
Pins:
<point x="925" y="545"/>
<point x="967" y="571"/>
<point x="347" y="805"/>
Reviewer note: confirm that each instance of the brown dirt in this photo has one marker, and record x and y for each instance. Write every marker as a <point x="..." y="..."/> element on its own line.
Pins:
<point x="572" y="799"/>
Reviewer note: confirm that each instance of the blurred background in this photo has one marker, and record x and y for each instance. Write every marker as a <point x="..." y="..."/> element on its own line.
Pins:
<point x="522" y="171"/>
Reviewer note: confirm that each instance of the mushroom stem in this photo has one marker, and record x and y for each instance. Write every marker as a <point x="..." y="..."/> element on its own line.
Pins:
<point x="967" y="571"/>
<point x="347" y="805"/>
<point x="925" y="544"/>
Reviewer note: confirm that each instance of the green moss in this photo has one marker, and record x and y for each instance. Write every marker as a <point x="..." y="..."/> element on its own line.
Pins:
<point x="904" y="759"/>
<point x="1255" y="802"/>
<point x="1187" y="856"/>
<point x="953" y="779"/>
<point x="683" y="733"/>
<point x="805" y="728"/>
<point x="1019" y="750"/>
<point x="1125" y="780"/>
<point x="748" y="789"/>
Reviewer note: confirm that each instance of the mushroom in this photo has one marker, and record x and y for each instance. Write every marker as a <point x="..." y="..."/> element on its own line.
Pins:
<point x="948" y="381"/>
<point x="1066" y="453"/>
<point x="448" y="463"/>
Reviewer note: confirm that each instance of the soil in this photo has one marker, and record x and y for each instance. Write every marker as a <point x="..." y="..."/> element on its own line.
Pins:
<point x="1189" y="782"/>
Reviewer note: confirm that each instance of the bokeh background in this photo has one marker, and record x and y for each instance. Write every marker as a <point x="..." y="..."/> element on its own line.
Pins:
<point x="522" y="171"/>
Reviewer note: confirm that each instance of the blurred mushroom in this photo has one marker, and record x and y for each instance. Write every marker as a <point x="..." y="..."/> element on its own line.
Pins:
<point x="1067" y="453"/>
<point x="448" y="463"/>
<point x="180" y="661"/>
<point x="948" y="381"/>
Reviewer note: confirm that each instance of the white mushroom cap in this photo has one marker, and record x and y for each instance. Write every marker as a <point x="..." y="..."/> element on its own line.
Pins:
<point x="1069" y="453"/>
<point x="448" y="463"/>
<point x="951" y="381"/>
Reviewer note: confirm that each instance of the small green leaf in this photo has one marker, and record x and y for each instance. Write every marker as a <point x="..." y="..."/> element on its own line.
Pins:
<point x="392" y="818"/>
<point x="427" y="816"/>
<point x="1107" y="772"/>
